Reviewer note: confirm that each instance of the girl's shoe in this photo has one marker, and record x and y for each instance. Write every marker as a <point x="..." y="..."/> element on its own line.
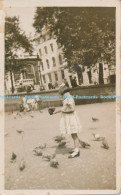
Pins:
<point x="74" y="154"/>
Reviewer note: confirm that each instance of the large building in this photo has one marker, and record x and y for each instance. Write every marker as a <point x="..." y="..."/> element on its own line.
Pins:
<point x="52" y="65"/>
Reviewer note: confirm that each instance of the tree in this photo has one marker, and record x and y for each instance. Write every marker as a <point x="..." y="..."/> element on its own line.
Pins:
<point x="86" y="33"/>
<point x="15" y="40"/>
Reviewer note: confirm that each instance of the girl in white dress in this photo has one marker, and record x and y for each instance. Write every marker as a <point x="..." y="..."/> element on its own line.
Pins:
<point x="69" y="123"/>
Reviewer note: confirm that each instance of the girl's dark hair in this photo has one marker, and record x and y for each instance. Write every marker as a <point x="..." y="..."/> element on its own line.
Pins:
<point x="65" y="91"/>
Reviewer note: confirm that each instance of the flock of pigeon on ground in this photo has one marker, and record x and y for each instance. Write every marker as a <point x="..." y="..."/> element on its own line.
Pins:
<point x="60" y="140"/>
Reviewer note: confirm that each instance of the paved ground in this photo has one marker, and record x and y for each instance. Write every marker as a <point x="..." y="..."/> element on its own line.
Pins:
<point x="94" y="169"/>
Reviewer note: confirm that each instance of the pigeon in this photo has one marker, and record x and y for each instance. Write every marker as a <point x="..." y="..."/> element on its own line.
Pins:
<point x="17" y="114"/>
<point x="94" y="119"/>
<point x="97" y="137"/>
<point x="13" y="156"/>
<point x="54" y="163"/>
<point x="51" y="109"/>
<point x="6" y="134"/>
<point x="31" y="116"/>
<point x="22" y="165"/>
<point x="41" y="146"/>
<point x="84" y="144"/>
<point x="59" y="138"/>
<point x="20" y="131"/>
<point x="38" y="151"/>
<point x="49" y="157"/>
<point x="62" y="144"/>
<point x="105" y="145"/>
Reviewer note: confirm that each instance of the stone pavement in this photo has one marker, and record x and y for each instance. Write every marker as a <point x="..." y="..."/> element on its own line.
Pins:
<point x="94" y="169"/>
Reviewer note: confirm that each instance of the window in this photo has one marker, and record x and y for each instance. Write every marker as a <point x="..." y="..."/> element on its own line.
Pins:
<point x="47" y="61"/>
<point x="62" y="73"/>
<point x="44" y="79"/>
<point x="40" y="53"/>
<point x="50" y="78"/>
<point x="60" y="59"/>
<point x="51" y="46"/>
<point x="42" y="66"/>
<point x="45" y="48"/>
<point x="53" y="59"/>
<point x="56" y="76"/>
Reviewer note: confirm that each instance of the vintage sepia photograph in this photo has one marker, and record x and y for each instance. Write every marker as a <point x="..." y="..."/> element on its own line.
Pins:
<point x="60" y="94"/>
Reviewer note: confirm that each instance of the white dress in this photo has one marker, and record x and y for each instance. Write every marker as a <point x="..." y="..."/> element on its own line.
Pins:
<point x="69" y="122"/>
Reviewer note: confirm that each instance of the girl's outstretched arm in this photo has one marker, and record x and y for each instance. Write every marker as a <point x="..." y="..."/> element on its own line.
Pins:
<point x="55" y="112"/>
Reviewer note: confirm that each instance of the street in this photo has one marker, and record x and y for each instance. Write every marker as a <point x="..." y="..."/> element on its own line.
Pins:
<point x="95" y="167"/>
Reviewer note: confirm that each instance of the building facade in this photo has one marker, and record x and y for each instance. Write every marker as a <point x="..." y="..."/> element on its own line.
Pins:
<point x="52" y="65"/>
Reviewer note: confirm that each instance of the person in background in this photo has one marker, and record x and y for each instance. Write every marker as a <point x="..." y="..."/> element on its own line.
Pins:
<point x="89" y="74"/>
<point x="74" y="83"/>
<point x="49" y="85"/>
<point x="66" y="82"/>
<point x="56" y="84"/>
<point x="106" y="73"/>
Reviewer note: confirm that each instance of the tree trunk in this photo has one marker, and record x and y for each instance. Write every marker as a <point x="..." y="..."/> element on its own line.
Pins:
<point x="80" y="78"/>
<point x="101" y="74"/>
<point x="12" y="87"/>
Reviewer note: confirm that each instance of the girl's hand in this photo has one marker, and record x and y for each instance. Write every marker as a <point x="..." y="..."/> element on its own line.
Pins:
<point x="55" y="112"/>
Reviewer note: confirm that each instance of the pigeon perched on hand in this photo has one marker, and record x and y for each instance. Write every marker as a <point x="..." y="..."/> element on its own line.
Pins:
<point x="49" y="157"/>
<point x="51" y="109"/>
<point x="19" y="131"/>
<point x="94" y="119"/>
<point x="62" y="144"/>
<point x="105" y="145"/>
<point x="54" y="163"/>
<point x="22" y="165"/>
<point x="38" y="151"/>
<point x="84" y="144"/>
<point x="59" y="138"/>
<point x="97" y="137"/>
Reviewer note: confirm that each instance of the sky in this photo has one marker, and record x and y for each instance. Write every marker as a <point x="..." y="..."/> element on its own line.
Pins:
<point x="26" y="16"/>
